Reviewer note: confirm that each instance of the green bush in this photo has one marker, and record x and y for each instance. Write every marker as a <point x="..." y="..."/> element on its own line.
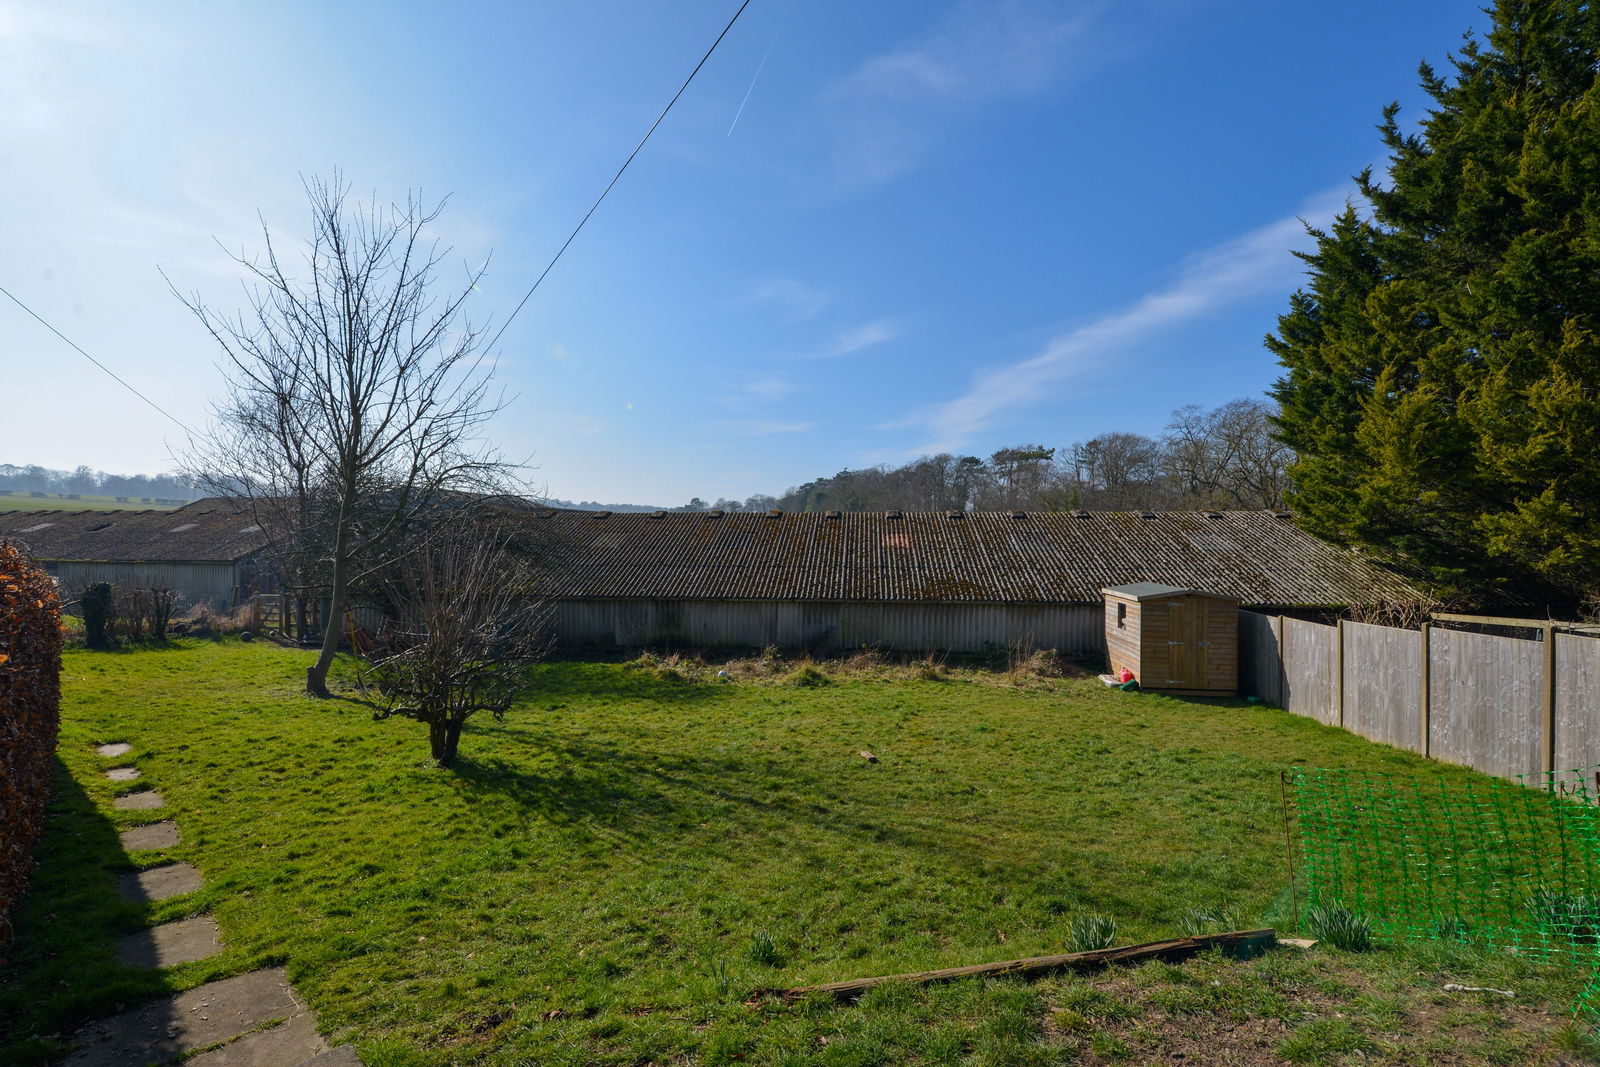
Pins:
<point x="97" y="604"/>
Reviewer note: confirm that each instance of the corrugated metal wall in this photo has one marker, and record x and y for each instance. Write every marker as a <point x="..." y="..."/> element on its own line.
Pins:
<point x="208" y="583"/>
<point x="1074" y="629"/>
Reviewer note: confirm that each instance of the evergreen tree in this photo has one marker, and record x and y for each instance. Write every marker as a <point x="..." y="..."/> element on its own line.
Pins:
<point x="1442" y="385"/>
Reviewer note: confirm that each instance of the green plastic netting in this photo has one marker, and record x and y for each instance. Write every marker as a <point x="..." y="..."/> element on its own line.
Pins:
<point x="1512" y="865"/>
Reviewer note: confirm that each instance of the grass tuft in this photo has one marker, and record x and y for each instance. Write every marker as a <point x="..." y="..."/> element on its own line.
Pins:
<point x="1340" y="927"/>
<point x="1089" y="932"/>
<point x="1317" y="1041"/>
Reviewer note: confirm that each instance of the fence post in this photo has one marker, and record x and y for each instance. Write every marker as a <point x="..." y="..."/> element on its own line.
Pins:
<point x="1548" y="633"/>
<point x="1427" y="687"/>
<point x="1338" y="669"/>
<point x="1282" y="678"/>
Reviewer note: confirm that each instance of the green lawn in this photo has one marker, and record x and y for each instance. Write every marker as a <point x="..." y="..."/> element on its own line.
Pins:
<point x="612" y="871"/>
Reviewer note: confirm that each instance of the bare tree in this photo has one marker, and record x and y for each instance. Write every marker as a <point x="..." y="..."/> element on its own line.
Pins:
<point x="465" y="628"/>
<point x="355" y="395"/>
<point x="1229" y="456"/>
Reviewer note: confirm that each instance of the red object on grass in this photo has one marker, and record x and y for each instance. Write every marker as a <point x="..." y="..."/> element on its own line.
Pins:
<point x="1125" y="675"/>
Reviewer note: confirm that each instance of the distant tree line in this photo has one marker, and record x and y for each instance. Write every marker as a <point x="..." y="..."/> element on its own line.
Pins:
<point x="1225" y="458"/>
<point x="86" y="482"/>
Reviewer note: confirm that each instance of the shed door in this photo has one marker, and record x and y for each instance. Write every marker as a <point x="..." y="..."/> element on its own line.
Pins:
<point x="1185" y="651"/>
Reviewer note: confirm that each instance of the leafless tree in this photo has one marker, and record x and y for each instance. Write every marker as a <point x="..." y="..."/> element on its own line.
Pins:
<point x="355" y="398"/>
<point x="465" y="628"/>
<point x="1118" y="471"/>
<point x="1228" y="457"/>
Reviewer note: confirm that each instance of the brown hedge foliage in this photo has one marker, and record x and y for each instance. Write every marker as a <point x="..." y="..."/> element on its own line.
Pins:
<point x="30" y="714"/>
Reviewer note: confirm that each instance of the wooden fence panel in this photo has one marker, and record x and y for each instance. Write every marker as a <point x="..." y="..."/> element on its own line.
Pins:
<point x="1260" y="658"/>
<point x="1488" y="702"/>
<point x="1310" y="684"/>
<point x="1577" y="702"/>
<point x="1383" y="684"/>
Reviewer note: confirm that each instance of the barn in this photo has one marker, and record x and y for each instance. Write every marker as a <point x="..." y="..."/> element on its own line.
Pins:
<point x="208" y="552"/>
<point x="956" y="581"/>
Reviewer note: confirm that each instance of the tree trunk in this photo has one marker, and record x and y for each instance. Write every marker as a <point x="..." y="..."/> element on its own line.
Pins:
<point x="444" y="738"/>
<point x="317" y="673"/>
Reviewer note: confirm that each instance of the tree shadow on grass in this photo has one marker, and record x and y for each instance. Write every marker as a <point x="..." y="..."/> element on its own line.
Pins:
<point x="61" y="967"/>
<point x="601" y="791"/>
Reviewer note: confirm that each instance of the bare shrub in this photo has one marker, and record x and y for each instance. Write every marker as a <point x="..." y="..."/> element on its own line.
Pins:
<point x="132" y="610"/>
<point x="203" y="620"/>
<point x="463" y="636"/>
<point x="163" y="603"/>
<point x="1403" y="614"/>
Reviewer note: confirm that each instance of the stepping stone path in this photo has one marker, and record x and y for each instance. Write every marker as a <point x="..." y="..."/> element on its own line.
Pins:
<point x="225" y="1013"/>
<point x="252" y="1020"/>
<point x="140" y="801"/>
<point x="150" y="835"/>
<point x="159" y="883"/>
<point x="172" y="943"/>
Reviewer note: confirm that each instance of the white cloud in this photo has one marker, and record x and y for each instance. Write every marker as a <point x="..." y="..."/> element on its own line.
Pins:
<point x="851" y="341"/>
<point x="1257" y="262"/>
<point x="980" y="50"/>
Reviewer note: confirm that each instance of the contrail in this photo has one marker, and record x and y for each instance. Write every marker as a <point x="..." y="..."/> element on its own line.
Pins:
<point x="760" y="67"/>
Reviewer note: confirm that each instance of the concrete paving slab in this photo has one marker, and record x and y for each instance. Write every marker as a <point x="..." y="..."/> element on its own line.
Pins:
<point x="343" y="1056"/>
<point x="159" y="883"/>
<point x="122" y="774"/>
<point x="171" y="943"/>
<point x="202" y="1017"/>
<point x="140" y="801"/>
<point x="151" y="835"/>
<point x="121" y="748"/>
<point x="288" y="1044"/>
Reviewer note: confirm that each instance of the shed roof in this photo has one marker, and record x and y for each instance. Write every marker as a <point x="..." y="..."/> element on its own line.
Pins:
<point x="207" y="531"/>
<point x="1142" y="591"/>
<point x="1261" y="558"/>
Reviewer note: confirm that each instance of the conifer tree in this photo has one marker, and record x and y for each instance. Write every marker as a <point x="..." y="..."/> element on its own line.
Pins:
<point x="1442" y="385"/>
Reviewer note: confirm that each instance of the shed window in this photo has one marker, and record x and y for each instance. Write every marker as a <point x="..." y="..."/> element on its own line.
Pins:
<point x="1122" y="616"/>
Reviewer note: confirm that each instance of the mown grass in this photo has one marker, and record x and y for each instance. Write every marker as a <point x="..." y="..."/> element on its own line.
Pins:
<point x="612" y="872"/>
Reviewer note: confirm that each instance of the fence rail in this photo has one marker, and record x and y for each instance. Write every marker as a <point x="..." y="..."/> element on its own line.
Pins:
<point x="1506" y="706"/>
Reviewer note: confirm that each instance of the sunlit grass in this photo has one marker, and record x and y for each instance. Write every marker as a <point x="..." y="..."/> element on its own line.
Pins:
<point x="612" y="872"/>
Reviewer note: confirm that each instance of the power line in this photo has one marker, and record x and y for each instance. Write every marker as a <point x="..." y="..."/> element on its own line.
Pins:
<point x="96" y="362"/>
<point x="636" y="148"/>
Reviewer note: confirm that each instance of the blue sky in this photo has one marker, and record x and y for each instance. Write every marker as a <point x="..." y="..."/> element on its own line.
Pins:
<point x="936" y="226"/>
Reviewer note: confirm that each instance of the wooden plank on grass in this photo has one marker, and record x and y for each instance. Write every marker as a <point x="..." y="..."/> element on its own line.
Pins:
<point x="1036" y="966"/>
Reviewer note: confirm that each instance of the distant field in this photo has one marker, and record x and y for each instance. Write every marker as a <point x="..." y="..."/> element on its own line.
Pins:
<point x="85" y="502"/>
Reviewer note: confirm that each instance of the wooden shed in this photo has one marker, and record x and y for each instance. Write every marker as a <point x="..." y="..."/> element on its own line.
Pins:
<point x="1179" y="641"/>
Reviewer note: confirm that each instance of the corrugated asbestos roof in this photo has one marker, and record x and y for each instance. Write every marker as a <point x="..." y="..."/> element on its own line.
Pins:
<point x="202" y="532"/>
<point x="1259" y="557"/>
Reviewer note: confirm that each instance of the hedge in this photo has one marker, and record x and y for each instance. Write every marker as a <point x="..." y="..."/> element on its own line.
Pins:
<point x="30" y="714"/>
